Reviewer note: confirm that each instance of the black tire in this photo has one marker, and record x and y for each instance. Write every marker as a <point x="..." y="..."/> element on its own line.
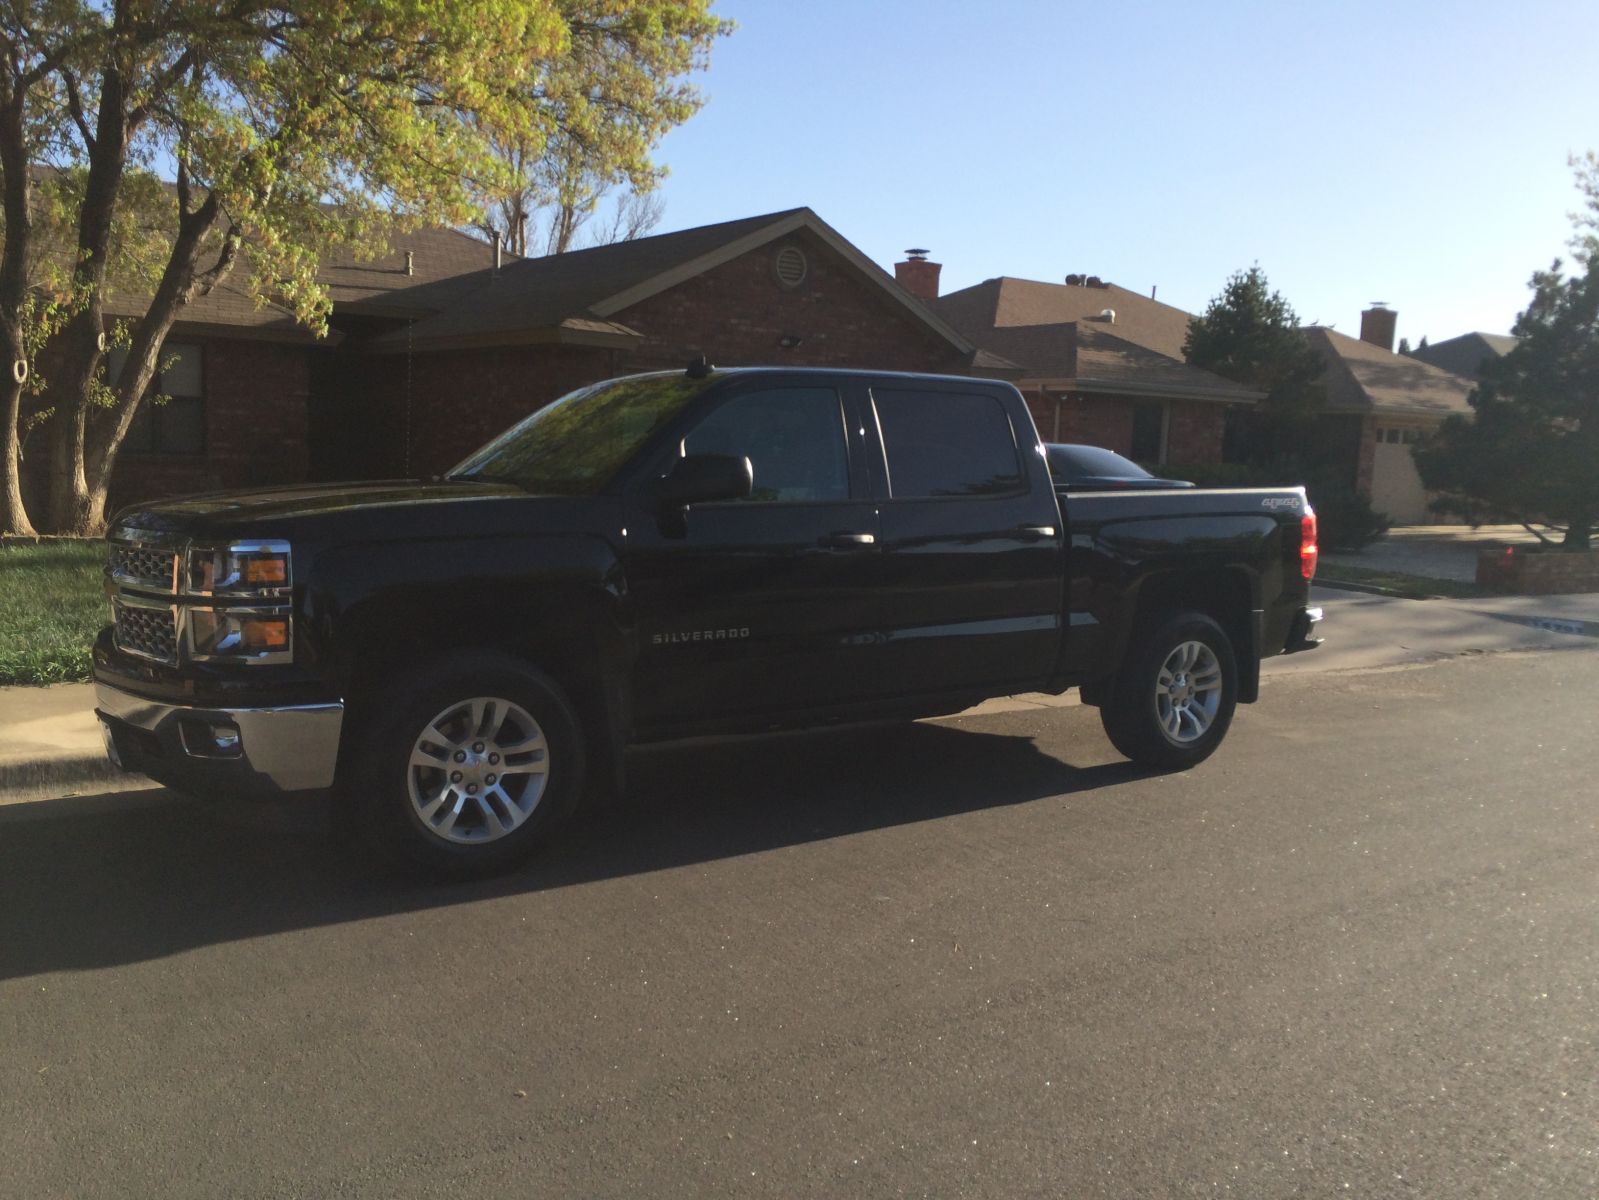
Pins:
<point x="1136" y="719"/>
<point x="382" y="793"/>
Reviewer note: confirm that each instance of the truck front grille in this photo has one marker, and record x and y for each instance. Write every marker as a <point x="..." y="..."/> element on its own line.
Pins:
<point x="136" y="565"/>
<point x="148" y="632"/>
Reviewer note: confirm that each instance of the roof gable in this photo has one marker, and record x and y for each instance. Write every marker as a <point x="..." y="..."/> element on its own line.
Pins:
<point x="1362" y="377"/>
<point x="536" y="299"/>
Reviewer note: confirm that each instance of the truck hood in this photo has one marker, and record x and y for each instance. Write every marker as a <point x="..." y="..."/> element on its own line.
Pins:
<point x="340" y="509"/>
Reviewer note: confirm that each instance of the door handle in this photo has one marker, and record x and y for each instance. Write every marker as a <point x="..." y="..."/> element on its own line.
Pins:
<point x="1043" y="531"/>
<point x="845" y="540"/>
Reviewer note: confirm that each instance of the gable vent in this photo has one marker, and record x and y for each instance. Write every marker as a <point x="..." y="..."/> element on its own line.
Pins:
<point x="790" y="266"/>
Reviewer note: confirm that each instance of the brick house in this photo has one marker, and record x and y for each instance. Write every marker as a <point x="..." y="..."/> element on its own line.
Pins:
<point x="438" y="346"/>
<point x="434" y="349"/>
<point x="1098" y="363"/>
<point x="1379" y="405"/>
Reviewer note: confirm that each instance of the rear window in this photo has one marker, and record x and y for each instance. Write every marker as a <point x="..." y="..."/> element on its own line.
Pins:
<point x="947" y="444"/>
<point x="1086" y="462"/>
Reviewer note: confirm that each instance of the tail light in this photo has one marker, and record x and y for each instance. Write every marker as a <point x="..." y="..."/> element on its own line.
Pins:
<point x="1307" y="544"/>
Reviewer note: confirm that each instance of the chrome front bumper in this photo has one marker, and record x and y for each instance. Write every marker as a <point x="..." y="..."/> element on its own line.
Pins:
<point x="267" y="750"/>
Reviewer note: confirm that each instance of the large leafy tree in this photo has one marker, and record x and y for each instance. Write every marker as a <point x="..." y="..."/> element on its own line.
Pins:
<point x="290" y="128"/>
<point x="1251" y="334"/>
<point x="623" y="86"/>
<point x="1531" y="449"/>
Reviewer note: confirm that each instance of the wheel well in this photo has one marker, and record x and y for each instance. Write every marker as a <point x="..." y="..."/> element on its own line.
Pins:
<point x="1223" y="596"/>
<point x="572" y="657"/>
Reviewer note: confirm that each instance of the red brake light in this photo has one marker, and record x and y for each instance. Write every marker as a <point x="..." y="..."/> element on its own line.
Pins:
<point x="1307" y="544"/>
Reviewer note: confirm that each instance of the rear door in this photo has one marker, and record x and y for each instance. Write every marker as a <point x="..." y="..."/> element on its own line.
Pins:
<point x="762" y="605"/>
<point x="972" y="544"/>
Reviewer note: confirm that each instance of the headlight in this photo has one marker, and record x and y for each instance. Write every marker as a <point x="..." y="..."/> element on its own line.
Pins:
<point x="261" y="635"/>
<point x="242" y="569"/>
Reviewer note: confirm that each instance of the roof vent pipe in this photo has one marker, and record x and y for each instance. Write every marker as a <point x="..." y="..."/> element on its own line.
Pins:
<point x="1108" y="315"/>
<point x="499" y="256"/>
<point x="410" y="262"/>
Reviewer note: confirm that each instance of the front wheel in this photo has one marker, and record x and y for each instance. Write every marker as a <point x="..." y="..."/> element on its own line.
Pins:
<point x="1173" y="700"/>
<point x="470" y="772"/>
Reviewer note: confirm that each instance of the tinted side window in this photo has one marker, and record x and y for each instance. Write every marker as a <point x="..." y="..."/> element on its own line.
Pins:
<point x="943" y="444"/>
<point x="794" y="438"/>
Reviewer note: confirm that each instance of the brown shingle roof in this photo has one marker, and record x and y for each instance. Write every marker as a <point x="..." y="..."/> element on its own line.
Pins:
<point x="578" y="293"/>
<point x="1465" y="355"/>
<point x="1057" y="332"/>
<point x="1364" y="378"/>
<point x="1092" y="357"/>
<point x="1007" y="301"/>
<point x="541" y="293"/>
<point x="442" y="262"/>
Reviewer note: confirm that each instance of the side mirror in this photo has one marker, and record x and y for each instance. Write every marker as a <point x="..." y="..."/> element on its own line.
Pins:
<point x="701" y="478"/>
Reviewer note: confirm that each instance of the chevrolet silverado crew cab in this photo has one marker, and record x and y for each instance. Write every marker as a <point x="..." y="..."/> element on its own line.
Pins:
<point x="668" y="555"/>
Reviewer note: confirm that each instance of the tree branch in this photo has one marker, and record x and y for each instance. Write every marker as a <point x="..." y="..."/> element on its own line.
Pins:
<point x="75" y="107"/>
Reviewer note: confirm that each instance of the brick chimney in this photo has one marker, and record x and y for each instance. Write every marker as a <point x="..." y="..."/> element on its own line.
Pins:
<point x="918" y="276"/>
<point x="1377" y="325"/>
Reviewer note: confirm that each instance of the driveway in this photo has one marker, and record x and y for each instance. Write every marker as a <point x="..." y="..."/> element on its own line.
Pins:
<point x="1434" y="551"/>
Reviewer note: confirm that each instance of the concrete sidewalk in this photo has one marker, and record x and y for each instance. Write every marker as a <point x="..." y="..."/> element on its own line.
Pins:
<point x="50" y="741"/>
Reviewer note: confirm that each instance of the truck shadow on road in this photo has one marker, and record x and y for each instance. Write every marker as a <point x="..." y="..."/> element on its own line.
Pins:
<point x="99" y="881"/>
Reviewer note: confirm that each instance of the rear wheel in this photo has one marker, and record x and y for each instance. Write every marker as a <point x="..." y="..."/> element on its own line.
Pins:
<point x="1173" y="700"/>
<point x="469" y="773"/>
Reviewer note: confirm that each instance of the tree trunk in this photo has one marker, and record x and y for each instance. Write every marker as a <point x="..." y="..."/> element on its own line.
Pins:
<point x="14" y="182"/>
<point x="13" y="513"/>
<point x="70" y="486"/>
<point x="1578" y="532"/>
<point x="180" y="283"/>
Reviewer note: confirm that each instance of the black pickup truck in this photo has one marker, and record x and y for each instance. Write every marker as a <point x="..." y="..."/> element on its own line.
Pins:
<point x="669" y="555"/>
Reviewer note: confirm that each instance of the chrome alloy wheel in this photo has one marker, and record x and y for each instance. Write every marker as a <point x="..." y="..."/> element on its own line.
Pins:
<point x="478" y="770"/>
<point x="1188" y="692"/>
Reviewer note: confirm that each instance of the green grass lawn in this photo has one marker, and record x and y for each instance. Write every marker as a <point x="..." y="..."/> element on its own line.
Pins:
<point x="1416" y="587"/>
<point x="51" y="607"/>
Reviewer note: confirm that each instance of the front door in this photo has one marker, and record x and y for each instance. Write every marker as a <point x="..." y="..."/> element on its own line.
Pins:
<point x="760" y="606"/>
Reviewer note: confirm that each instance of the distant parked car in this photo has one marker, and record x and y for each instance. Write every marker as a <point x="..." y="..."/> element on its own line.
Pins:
<point x="1095" y="469"/>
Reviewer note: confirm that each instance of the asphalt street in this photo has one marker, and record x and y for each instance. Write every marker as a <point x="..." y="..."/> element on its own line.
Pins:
<point x="1356" y="953"/>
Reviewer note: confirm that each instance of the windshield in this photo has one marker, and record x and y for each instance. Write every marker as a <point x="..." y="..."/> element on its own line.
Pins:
<point x="575" y="446"/>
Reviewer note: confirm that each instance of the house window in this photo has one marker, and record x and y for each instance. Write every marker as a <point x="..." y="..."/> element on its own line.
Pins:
<point x="1149" y="432"/>
<point x="178" y="426"/>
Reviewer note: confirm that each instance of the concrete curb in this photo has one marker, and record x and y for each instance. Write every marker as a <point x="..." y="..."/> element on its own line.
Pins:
<point x="38" y="778"/>
<point x="1372" y="589"/>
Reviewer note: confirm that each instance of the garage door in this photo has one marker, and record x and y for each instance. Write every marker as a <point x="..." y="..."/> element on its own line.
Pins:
<point x="1396" y="489"/>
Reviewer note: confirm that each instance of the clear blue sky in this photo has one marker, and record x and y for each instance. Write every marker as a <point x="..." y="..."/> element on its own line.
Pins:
<point x="1412" y="152"/>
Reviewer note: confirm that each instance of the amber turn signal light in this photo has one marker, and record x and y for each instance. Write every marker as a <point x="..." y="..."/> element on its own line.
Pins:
<point x="264" y="633"/>
<point x="266" y="570"/>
